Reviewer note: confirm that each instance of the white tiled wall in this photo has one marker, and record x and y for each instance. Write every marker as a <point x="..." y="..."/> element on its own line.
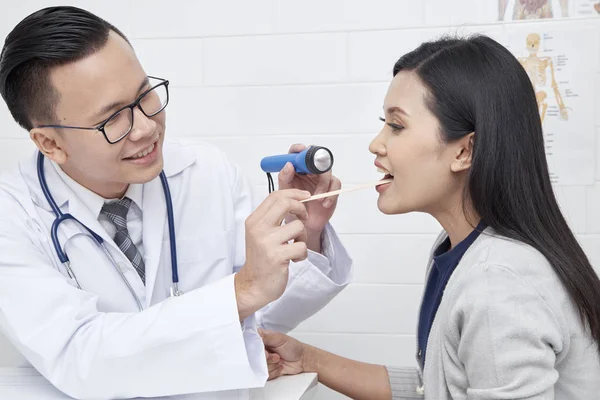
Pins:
<point x="255" y="76"/>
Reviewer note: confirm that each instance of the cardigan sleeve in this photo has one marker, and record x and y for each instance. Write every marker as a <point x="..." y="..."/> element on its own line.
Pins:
<point x="508" y="337"/>
<point x="405" y="383"/>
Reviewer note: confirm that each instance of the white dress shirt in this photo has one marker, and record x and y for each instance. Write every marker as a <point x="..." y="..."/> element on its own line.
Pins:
<point x="95" y="203"/>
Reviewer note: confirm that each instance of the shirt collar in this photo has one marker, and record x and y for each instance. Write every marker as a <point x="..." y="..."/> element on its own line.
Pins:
<point x="93" y="201"/>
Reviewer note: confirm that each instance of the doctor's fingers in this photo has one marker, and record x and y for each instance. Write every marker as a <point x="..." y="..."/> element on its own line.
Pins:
<point x="282" y="208"/>
<point x="295" y="252"/>
<point x="296" y="148"/>
<point x="284" y="199"/>
<point x="335" y="184"/>
<point x="323" y="182"/>
<point x="295" y="230"/>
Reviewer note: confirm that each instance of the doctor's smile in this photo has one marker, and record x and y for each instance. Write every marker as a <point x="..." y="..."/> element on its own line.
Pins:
<point x="147" y="155"/>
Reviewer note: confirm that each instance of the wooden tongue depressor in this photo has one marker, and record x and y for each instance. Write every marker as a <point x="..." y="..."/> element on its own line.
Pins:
<point x="336" y="192"/>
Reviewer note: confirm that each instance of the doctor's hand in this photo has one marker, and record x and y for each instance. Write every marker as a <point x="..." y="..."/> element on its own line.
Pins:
<point x="285" y="355"/>
<point x="319" y="211"/>
<point x="264" y="276"/>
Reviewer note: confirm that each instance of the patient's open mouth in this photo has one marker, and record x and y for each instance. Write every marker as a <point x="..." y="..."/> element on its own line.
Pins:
<point x="387" y="174"/>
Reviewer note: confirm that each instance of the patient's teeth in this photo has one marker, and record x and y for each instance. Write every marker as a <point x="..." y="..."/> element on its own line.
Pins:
<point x="384" y="171"/>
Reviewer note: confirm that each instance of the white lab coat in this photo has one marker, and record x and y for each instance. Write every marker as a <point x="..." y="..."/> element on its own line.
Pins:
<point x="94" y="343"/>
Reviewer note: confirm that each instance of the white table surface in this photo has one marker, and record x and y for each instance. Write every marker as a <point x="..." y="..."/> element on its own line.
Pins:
<point x="28" y="384"/>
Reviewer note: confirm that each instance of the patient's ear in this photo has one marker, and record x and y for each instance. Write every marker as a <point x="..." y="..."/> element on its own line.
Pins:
<point x="48" y="141"/>
<point x="463" y="153"/>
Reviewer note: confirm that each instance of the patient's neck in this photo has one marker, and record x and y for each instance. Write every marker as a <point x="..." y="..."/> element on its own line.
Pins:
<point x="457" y="221"/>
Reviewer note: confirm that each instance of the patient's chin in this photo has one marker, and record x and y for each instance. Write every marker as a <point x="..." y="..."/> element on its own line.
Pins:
<point x="392" y="208"/>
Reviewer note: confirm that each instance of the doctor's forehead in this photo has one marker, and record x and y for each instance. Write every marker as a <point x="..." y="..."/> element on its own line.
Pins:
<point x="112" y="74"/>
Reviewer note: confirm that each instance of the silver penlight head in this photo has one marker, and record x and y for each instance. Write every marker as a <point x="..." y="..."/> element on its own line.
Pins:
<point x="319" y="159"/>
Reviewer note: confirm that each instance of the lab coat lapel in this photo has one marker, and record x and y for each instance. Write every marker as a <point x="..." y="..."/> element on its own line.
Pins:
<point x="154" y="214"/>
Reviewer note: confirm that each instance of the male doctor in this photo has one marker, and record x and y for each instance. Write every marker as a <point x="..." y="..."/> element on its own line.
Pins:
<point x="108" y="327"/>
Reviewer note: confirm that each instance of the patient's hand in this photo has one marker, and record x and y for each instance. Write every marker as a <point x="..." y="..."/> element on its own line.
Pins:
<point x="285" y="355"/>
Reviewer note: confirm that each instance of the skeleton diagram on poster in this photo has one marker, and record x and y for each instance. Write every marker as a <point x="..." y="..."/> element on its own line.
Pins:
<point x="561" y="75"/>
<point x="541" y="71"/>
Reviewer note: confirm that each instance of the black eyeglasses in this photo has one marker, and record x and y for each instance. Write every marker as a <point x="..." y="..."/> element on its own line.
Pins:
<point x="119" y="124"/>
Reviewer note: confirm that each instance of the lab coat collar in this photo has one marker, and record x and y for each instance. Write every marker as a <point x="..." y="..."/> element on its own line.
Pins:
<point x="177" y="158"/>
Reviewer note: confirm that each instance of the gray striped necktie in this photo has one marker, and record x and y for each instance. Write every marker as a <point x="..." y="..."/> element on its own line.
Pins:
<point x="116" y="212"/>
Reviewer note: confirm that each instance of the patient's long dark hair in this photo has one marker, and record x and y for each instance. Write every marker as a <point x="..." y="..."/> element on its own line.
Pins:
<point x="477" y="85"/>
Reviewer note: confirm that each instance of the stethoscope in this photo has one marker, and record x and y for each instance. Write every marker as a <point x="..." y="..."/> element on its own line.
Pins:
<point x="60" y="217"/>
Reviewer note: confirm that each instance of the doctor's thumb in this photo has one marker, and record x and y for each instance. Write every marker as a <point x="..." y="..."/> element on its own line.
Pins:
<point x="286" y="176"/>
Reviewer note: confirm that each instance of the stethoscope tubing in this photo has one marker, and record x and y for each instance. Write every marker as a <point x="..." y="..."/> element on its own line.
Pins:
<point x="61" y="217"/>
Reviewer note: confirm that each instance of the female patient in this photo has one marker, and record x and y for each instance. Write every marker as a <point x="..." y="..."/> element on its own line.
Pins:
<point x="511" y="308"/>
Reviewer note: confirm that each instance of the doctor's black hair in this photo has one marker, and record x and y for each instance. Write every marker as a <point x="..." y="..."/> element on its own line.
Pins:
<point x="47" y="38"/>
<point x="477" y="85"/>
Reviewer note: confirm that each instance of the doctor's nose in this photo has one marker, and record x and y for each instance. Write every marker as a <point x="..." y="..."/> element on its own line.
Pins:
<point x="143" y="126"/>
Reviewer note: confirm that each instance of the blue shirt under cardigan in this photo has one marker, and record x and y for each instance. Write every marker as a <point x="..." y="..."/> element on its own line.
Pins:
<point x="444" y="263"/>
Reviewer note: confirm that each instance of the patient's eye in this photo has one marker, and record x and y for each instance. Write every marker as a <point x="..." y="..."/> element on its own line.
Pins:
<point x="395" y="127"/>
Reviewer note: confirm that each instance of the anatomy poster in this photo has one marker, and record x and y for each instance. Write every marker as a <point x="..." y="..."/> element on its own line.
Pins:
<point x="563" y="78"/>
<point x="514" y="10"/>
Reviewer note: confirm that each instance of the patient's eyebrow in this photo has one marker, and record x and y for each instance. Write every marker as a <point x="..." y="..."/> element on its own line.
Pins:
<point x="393" y="110"/>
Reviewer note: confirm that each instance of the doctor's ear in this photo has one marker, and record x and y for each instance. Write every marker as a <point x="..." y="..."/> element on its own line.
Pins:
<point x="464" y="153"/>
<point x="47" y="141"/>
